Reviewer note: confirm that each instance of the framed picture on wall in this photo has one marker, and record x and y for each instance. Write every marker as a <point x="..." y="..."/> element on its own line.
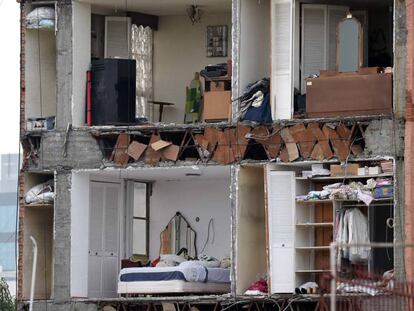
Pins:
<point x="217" y="41"/>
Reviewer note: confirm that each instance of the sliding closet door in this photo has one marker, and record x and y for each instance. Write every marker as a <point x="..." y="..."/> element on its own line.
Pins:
<point x="282" y="53"/>
<point x="319" y="24"/>
<point x="104" y="258"/>
<point x="314" y="30"/>
<point x="280" y="217"/>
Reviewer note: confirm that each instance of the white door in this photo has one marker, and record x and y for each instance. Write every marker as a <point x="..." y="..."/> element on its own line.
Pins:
<point x="282" y="54"/>
<point x="280" y="217"/>
<point x="104" y="259"/>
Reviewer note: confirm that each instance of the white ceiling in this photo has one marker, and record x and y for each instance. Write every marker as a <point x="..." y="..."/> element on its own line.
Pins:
<point x="161" y="7"/>
<point x="165" y="173"/>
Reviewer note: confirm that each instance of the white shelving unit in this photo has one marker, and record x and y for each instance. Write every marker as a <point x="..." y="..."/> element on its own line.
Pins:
<point x="301" y="227"/>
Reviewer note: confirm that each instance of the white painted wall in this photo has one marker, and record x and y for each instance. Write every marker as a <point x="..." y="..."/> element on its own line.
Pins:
<point x="81" y="59"/>
<point x="254" y="41"/>
<point x="195" y="198"/>
<point x="40" y="73"/>
<point x="179" y="51"/>
<point x="79" y="234"/>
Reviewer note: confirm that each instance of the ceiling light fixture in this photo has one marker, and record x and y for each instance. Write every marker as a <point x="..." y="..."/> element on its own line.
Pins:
<point x="194" y="13"/>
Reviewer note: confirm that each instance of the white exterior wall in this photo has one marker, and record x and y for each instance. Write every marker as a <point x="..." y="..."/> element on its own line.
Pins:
<point x="79" y="234"/>
<point x="81" y="59"/>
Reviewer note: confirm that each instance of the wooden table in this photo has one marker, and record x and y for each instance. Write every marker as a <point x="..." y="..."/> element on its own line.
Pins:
<point x="161" y="104"/>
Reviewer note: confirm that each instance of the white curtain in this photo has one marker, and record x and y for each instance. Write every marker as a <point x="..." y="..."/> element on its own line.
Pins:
<point x="141" y="48"/>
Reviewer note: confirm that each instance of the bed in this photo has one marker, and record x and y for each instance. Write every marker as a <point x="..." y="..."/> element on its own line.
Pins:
<point x="186" y="278"/>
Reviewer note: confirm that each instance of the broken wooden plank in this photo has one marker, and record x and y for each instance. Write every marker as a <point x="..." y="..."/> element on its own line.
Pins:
<point x="152" y="156"/>
<point x="136" y="149"/>
<point x="322" y="140"/>
<point x="274" y="143"/>
<point x="211" y="134"/>
<point x="290" y="144"/>
<point x="304" y="138"/>
<point x="119" y="154"/>
<point x="284" y="155"/>
<point x="171" y="152"/>
<point x="317" y="152"/>
<point x="223" y="154"/>
<point x="340" y="147"/>
<point x="239" y="141"/>
<point x="160" y="144"/>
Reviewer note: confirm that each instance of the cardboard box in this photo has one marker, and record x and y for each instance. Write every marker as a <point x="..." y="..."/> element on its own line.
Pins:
<point x="350" y="170"/>
<point x="374" y="170"/>
<point x="217" y="105"/>
<point x="216" y="86"/>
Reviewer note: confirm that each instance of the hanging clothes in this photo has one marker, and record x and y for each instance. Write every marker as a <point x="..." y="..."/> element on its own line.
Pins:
<point x="353" y="229"/>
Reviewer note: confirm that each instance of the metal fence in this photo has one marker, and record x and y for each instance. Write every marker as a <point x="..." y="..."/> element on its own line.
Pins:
<point x="365" y="287"/>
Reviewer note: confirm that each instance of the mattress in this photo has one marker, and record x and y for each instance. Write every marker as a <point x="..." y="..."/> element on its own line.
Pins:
<point x="179" y="279"/>
<point x="176" y="286"/>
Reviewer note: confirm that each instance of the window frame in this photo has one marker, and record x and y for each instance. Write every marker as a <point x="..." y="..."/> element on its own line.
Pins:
<point x="129" y="217"/>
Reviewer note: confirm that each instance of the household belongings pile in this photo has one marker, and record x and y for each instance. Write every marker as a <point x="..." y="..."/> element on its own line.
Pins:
<point x="255" y="102"/>
<point x="42" y="193"/>
<point x="42" y="17"/>
<point x="369" y="286"/>
<point x="374" y="189"/>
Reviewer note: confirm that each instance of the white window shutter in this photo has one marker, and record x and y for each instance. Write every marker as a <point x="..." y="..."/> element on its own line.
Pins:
<point x="314" y="56"/>
<point x="335" y="15"/>
<point x="281" y="200"/>
<point x="282" y="53"/>
<point x="117" y="37"/>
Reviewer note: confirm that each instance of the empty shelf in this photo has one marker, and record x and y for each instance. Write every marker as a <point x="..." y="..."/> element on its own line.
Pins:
<point x="315" y="224"/>
<point x="345" y="177"/>
<point x="313" y="271"/>
<point x="310" y="248"/>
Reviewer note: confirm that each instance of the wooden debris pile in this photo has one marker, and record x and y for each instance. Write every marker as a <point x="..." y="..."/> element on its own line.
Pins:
<point x="312" y="141"/>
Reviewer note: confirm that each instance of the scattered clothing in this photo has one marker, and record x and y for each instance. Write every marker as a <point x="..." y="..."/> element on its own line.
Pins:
<point x="255" y="102"/>
<point x="258" y="288"/>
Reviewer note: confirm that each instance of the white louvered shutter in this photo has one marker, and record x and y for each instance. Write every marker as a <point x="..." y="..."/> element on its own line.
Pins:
<point x="103" y="240"/>
<point x="282" y="53"/>
<point x="314" y="56"/>
<point x="117" y="37"/>
<point x="281" y="196"/>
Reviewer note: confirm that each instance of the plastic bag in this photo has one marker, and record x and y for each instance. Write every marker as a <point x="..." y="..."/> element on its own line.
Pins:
<point x="42" y="193"/>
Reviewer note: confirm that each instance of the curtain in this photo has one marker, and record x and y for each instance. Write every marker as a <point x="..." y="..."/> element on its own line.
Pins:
<point x="141" y="48"/>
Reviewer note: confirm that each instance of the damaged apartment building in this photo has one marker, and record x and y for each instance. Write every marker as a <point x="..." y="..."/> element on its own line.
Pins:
<point x="203" y="153"/>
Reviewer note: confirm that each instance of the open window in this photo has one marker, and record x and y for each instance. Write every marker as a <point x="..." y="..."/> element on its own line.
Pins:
<point x="164" y="217"/>
<point x="153" y="52"/>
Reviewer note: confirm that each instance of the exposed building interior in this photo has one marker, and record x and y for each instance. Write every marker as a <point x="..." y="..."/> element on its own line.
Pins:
<point x="211" y="149"/>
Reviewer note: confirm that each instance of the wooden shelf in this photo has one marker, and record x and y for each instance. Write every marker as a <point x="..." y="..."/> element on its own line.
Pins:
<point x="314" y="201"/>
<point x="344" y="177"/>
<point x="311" y="248"/>
<point x="39" y="205"/>
<point x="312" y="271"/>
<point x="315" y="224"/>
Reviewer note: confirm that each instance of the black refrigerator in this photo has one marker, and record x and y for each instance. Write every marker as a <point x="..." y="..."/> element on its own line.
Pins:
<point x="113" y="91"/>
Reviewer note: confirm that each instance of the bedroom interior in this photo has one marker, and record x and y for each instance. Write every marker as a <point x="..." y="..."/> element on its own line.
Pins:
<point x="166" y="226"/>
